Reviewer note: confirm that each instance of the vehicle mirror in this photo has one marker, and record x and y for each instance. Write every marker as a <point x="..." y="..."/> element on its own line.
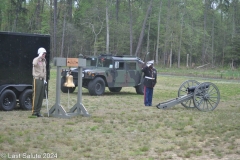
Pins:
<point x="116" y="65"/>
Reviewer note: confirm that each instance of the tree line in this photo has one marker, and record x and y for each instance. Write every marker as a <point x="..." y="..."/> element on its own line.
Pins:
<point x="174" y="32"/>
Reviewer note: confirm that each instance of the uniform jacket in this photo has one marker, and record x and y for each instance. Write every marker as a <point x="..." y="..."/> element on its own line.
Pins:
<point x="150" y="76"/>
<point x="39" y="68"/>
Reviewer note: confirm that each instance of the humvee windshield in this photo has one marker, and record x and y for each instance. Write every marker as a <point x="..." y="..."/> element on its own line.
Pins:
<point x="101" y="61"/>
<point x="104" y="62"/>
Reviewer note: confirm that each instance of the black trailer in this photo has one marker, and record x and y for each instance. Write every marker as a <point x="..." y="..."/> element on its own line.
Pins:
<point x="17" y="51"/>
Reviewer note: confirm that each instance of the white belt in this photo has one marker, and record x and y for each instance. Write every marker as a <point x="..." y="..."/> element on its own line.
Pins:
<point x="149" y="77"/>
<point x="38" y="78"/>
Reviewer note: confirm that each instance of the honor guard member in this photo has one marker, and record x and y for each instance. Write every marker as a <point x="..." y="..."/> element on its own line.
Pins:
<point x="150" y="80"/>
<point x="39" y="81"/>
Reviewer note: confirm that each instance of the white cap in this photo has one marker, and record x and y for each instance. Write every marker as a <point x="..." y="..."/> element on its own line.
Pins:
<point x="42" y="50"/>
<point x="149" y="63"/>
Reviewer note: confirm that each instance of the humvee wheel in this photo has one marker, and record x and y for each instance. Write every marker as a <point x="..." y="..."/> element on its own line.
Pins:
<point x="65" y="89"/>
<point x="183" y="91"/>
<point x="114" y="89"/>
<point x="7" y="100"/>
<point x="206" y="96"/>
<point x="96" y="86"/>
<point x="25" y="99"/>
<point x="140" y="88"/>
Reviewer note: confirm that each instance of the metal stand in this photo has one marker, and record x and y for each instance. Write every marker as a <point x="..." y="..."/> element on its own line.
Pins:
<point x="57" y="110"/>
<point x="79" y="107"/>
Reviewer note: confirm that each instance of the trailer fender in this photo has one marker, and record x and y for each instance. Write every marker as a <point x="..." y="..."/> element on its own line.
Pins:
<point x="17" y="88"/>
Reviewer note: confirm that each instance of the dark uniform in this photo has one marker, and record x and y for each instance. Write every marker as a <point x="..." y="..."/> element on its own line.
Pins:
<point x="150" y="79"/>
<point x="39" y="78"/>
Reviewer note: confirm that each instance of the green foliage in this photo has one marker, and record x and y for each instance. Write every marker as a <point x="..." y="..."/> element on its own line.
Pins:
<point x="234" y="49"/>
<point x="180" y="20"/>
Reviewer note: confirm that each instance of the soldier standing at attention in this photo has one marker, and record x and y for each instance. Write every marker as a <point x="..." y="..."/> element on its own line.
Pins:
<point x="39" y="81"/>
<point x="150" y="79"/>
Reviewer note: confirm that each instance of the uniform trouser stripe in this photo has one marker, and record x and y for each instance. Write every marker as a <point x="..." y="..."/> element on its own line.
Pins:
<point x="148" y="94"/>
<point x="34" y="94"/>
<point x="144" y="94"/>
<point x="38" y="94"/>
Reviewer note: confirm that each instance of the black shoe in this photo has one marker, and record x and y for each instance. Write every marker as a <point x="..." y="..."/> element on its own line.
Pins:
<point x="39" y="115"/>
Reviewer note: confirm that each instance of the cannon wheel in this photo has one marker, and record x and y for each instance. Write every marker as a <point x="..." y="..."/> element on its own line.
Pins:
<point x="206" y="96"/>
<point x="183" y="91"/>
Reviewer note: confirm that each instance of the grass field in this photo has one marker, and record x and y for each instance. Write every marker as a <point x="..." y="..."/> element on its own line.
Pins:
<point x="211" y="73"/>
<point x="122" y="128"/>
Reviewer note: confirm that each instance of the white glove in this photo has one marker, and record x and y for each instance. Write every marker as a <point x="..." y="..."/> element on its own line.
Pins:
<point x="40" y="54"/>
<point x="45" y="82"/>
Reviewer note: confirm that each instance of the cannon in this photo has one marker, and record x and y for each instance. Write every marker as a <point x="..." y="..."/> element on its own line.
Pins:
<point x="204" y="96"/>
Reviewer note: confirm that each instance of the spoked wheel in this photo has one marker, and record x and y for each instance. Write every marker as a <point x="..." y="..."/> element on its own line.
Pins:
<point x="183" y="91"/>
<point x="206" y="96"/>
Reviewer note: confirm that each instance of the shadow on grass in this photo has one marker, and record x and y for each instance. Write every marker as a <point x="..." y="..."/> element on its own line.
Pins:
<point x="124" y="93"/>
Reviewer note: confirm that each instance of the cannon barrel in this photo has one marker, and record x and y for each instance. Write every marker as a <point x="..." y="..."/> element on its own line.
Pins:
<point x="192" y="88"/>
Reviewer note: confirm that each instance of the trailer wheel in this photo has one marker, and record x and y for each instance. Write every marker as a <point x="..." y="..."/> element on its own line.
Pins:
<point x="65" y="89"/>
<point x="7" y="100"/>
<point x="25" y="99"/>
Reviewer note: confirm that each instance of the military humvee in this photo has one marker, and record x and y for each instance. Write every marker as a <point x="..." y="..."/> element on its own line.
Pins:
<point x="109" y="71"/>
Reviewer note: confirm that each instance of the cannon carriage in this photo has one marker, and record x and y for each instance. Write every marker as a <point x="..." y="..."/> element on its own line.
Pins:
<point x="204" y="96"/>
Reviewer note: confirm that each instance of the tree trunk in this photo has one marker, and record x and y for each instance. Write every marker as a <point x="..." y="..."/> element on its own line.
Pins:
<point x="69" y="10"/>
<point x="148" y="36"/>
<point x="107" y="27"/>
<point x="158" y="33"/>
<point x="63" y="35"/>
<point x="95" y="36"/>
<point x="17" y="12"/>
<point x="143" y="28"/>
<point x="232" y="66"/>
<point x="38" y="21"/>
<point x="95" y="45"/>
<point x="170" y="56"/>
<point x="180" y="41"/>
<point x="204" y="31"/>
<point x="166" y="36"/>
<point x="51" y="28"/>
<point x="1" y="20"/>
<point x="130" y="24"/>
<point x="223" y="51"/>
<point x="117" y="8"/>
<point x="115" y="32"/>
<point x="55" y="29"/>
<point x="42" y="8"/>
<point x="213" y="41"/>
<point x="180" y="44"/>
